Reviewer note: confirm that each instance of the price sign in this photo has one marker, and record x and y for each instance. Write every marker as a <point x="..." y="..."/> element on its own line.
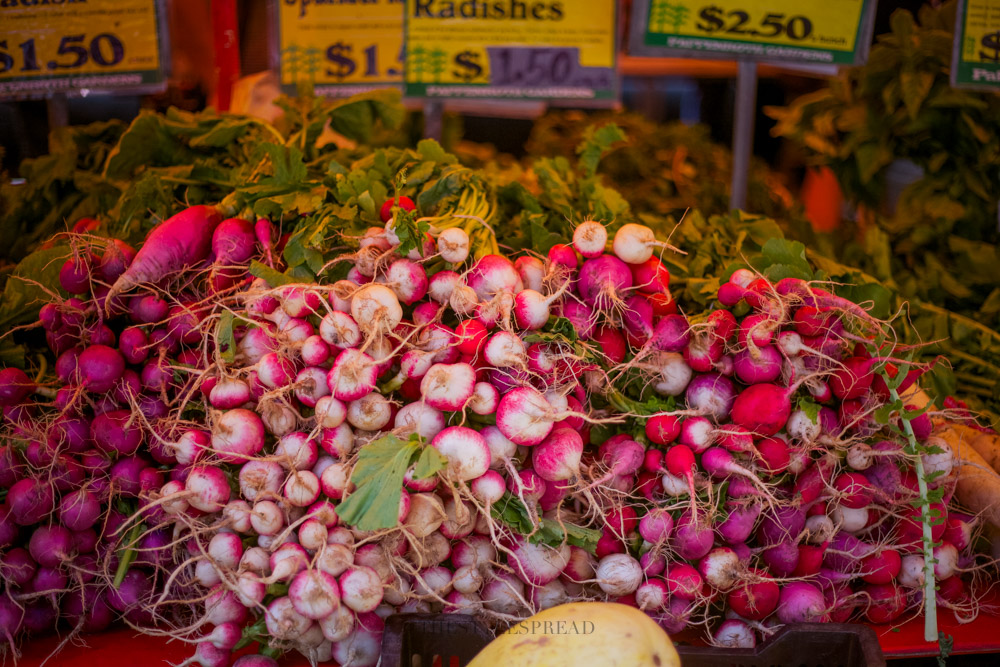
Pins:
<point x="513" y="49"/>
<point x="976" y="56"/>
<point x="831" y="32"/>
<point x="340" y="49"/>
<point x="75" y="46"/>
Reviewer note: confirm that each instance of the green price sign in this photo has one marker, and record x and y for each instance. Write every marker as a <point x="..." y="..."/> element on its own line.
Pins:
<point x="836" y="32"/>
<point x="976" y="56"/>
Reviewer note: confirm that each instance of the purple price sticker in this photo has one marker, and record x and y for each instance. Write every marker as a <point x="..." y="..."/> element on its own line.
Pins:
<point x="545" y="67"/>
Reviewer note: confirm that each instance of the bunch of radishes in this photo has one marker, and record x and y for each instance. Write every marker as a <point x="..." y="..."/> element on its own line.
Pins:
<point x="230" y="414"/>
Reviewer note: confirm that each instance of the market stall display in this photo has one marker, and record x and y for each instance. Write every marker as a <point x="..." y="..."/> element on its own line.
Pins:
<point x="289" y="382"/>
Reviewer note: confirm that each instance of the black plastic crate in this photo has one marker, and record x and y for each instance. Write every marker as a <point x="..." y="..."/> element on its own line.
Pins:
<point x="452" y="640"/>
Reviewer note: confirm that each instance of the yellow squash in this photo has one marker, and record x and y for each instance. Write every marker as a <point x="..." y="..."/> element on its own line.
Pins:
<point x="595" y="634"/>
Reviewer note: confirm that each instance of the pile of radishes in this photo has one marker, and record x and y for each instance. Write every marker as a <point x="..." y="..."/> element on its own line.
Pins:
<point x="741" y="480"/>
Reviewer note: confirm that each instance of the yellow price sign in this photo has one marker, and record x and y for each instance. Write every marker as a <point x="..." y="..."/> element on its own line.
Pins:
<point x="528" y="49"/>
<point x="976" y="61"/>
<point x="74" y="45"/>
<point x="340" y="49"/>
<point x="831" y="32"/>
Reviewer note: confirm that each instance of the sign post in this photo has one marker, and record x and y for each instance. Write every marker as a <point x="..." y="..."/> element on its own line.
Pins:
<point x="976" y="54"/>
<point x="76" y="47"/>
<point x="834" y="33"/>
<point x="743" y="122"/>
<point x="512" y="50"/>
<point x="340" y="49"/>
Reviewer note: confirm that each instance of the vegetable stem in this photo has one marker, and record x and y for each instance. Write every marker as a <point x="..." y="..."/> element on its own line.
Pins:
<point x="127" y="554"/>
<point x="930" y="589"/>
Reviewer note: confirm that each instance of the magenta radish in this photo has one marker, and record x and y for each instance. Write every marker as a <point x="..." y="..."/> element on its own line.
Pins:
<point x="74" y="276"/>
<point x="754" y="597"/>
<point x="692" y="538"/>
<point x="604" y="281"/>
<point x="580" y="315"/>
<point x="671" y="333"/>
<point x="759" y="364"/>
<point x="100" y="367"/>
<point x="656" y="526"/>
<point x="117" y="431"/>
<point x="182" y="240"/>
<point x="714" y="396"/>
<point x="15" y="386"/>
<point x="684" y="582"/>
<point x="30" y="500"/>
<point x="763" y="408"/>
<point x="801" y="602"/>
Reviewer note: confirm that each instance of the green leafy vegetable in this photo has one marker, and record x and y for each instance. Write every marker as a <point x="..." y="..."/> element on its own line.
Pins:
<point x="378" y="480"/>
<point x="512" y="512"/>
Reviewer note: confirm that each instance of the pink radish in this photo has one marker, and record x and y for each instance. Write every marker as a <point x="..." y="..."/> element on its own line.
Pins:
<point x="590" y="238"/>
<point x="466" y="450"/>
<point x="525" y="416"/>
<point x="493" y="274"/>
<point x="557" y="458"/>
<point x="763" y="408"/>
<point x="182" y="240"/>
<point x="238" y="435"/>
<point x="453" y="245"/>
<point x="448" y="386"/>
<point x="635" y="243"/>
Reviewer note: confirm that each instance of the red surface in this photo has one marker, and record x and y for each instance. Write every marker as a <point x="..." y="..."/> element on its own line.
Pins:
<point x="124" y="648"/>
<point x="227" y="51"/>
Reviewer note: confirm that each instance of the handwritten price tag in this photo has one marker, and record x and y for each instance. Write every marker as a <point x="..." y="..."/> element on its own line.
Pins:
<point x="836" y="32"/>
<point x="512" y="50"/>
<point x="340" y="49"/>
<point x="71" y="46"/>
<point x="976" y="56"/>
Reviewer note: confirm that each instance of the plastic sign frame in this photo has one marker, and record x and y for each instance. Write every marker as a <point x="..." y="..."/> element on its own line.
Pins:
<point x="77" y="48"/>
<point x="363" y="41"/>
<point x="757" y="30"/>
<point x="454" y="52"/>
<point x="975" y="74"/>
